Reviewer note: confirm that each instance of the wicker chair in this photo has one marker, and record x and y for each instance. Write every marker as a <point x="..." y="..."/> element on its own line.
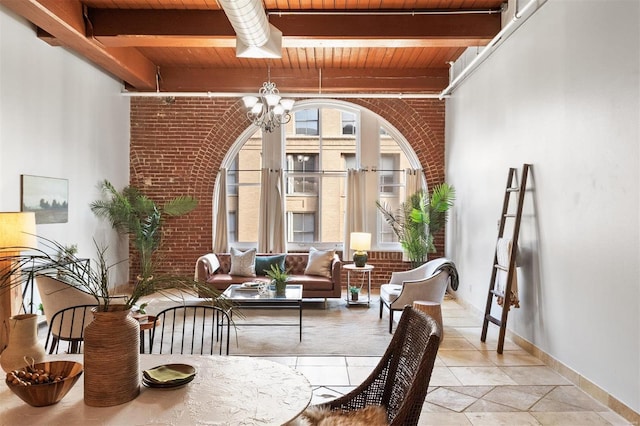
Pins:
<point x="400" y="380"/>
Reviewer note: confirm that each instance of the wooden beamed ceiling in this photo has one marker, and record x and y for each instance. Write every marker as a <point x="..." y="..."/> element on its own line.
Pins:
<point x="179" y="45"/>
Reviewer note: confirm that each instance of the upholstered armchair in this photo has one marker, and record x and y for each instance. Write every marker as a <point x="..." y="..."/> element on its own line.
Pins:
<point x="58" y="296"/>
<point x="427" y="282"/>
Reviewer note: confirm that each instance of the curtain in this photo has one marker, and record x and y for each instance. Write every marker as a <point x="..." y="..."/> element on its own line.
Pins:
<point x="413" y="181"/>
<point x="271" y="231"/>
<point x="355" y="211"/>
<point x="220" y="227"/>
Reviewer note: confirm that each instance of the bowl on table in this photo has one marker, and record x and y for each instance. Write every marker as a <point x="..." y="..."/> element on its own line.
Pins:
<point x="65" y="375"/>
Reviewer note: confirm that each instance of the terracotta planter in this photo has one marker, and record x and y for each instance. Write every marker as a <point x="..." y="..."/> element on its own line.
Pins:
<point x="23" y="342"/>
<point x="111" y="358"/>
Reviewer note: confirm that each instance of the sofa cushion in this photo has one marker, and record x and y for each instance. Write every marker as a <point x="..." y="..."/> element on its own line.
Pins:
<point x="390" y="292"/>
<point x="311" y="282"/>
<point x="264" y="263"/>
<point x="243" y="263"/>
<point x="319" y="262"/>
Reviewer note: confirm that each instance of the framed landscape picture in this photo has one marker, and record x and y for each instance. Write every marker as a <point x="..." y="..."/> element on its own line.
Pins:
<point x="47" y="197"/>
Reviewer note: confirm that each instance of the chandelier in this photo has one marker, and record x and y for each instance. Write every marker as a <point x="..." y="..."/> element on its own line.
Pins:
<point x="269" y="110"/>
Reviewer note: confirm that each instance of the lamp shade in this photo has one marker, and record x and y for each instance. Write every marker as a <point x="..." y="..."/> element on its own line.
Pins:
<point x="17" y="229"/>
<point x="360" y="241"/>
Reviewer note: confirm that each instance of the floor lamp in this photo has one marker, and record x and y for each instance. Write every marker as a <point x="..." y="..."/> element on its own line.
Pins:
<point x="17" y="233"/>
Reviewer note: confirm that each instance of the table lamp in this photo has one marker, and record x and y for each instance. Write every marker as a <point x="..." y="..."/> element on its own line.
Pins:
<point x="360" y="242"/>
<point x="17" y="233"/>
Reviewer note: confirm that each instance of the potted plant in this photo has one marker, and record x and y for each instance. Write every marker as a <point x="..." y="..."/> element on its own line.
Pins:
<point x="132" y="213"/>
<point x="279" y="278"/>
<point x="354" y="291"/>
<point x="419" y="219"/>
<point x="92" y="277"/>
<point x="113" y="334"/>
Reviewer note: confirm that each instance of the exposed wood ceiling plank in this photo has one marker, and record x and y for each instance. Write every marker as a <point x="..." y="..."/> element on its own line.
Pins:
<point x="359" y="45"/>
<point x="176" y="79"/>
<point x="198" y="28"/>
<point x="64" y="21"/>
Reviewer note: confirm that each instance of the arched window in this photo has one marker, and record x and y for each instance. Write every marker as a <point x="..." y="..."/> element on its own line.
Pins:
<point x="321" y="142"/>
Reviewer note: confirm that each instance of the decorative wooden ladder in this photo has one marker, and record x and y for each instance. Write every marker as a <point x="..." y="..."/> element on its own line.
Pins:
<point x="511" y="188"/>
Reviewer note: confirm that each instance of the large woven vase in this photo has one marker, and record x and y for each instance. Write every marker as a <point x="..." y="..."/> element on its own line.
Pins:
<point x="23" y="342"/>
<point x="111" y="357"/>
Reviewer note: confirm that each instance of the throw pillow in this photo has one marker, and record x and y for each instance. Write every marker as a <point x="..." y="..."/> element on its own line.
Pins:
<point x="263" y="263"/>
<point x="243" y="263"/>
<point x="319" y="262"/>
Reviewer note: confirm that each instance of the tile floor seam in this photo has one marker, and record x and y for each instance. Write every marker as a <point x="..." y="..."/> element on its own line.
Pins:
<point x="463" y="331"/>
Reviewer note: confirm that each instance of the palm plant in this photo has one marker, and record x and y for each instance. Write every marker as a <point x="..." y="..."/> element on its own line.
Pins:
<point x="419" y="219"/>
<point x="132" y="213"/>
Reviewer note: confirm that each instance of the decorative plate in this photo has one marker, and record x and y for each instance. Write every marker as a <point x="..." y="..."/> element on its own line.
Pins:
<point x="169" y="374"/>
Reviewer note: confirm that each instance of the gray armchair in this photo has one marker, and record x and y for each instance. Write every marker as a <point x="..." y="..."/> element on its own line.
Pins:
<point x="427" y="282"/>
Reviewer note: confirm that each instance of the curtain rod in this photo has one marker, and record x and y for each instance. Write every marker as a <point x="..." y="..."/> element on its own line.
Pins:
<point x="321" y="171"/>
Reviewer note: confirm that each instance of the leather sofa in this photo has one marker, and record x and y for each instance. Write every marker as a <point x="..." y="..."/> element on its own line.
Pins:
<point x="314" y="286"/>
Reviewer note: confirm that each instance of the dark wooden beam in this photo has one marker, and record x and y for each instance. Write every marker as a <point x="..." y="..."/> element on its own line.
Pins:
<point x="199" y="28"/>
<point x="64" y="21"/>
<point x="305" y="81"/>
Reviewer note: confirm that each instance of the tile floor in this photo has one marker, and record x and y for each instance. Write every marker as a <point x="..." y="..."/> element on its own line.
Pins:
<point x="471" y="384"/>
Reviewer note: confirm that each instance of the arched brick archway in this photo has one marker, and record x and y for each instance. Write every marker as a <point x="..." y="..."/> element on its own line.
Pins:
<point x="421" y="122"/>
<point x="178" y="147"/>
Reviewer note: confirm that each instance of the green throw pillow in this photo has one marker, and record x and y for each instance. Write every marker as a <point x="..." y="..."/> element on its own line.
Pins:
<point x="263" y="263"/>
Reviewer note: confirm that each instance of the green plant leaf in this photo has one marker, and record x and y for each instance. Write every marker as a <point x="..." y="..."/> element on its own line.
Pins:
<point x="180" y="205"/>
<point x="418" y="219"/>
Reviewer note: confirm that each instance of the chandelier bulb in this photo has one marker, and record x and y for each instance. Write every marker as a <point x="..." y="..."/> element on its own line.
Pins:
<point x="268" y="111"/>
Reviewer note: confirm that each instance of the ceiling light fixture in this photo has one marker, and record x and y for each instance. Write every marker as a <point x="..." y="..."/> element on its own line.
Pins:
<point x="268" y="110"/>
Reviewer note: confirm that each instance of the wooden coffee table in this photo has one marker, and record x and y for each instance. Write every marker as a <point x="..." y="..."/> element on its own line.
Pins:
<point x="244" y="297"/>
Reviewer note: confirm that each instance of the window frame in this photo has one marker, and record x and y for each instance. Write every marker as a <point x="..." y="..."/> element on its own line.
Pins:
<point x="352" y="121"/>
<point x="368" y="122"/>
<point x="296" y="121"/>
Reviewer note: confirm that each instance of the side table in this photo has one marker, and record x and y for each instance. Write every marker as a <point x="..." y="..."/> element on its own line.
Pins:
<point x="432" y="309"/>
<point x="366" y="269"/>
<point x="147" y="323"/>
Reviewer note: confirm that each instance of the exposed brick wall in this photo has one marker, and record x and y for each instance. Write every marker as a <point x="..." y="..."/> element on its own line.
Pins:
<point x="177" y="147"/>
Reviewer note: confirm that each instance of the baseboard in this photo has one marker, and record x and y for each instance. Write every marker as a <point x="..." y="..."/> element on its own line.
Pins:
<point x="568" y="373"/>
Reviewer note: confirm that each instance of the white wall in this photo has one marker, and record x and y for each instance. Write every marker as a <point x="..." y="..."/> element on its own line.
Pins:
<point x="563" y="94"/>
<point x="61" y="117"/>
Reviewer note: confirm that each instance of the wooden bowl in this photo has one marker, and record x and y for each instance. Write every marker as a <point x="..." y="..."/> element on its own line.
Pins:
<point x="44" y="394"/>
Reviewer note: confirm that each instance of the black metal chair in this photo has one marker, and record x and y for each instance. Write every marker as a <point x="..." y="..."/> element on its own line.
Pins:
<point x="190" y="329"/>
<point x="68" y="325"/>
<point x="400" y="380"/>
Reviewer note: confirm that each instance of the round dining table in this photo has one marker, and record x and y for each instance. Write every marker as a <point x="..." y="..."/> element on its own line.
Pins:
<point x="227" y="390"/>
